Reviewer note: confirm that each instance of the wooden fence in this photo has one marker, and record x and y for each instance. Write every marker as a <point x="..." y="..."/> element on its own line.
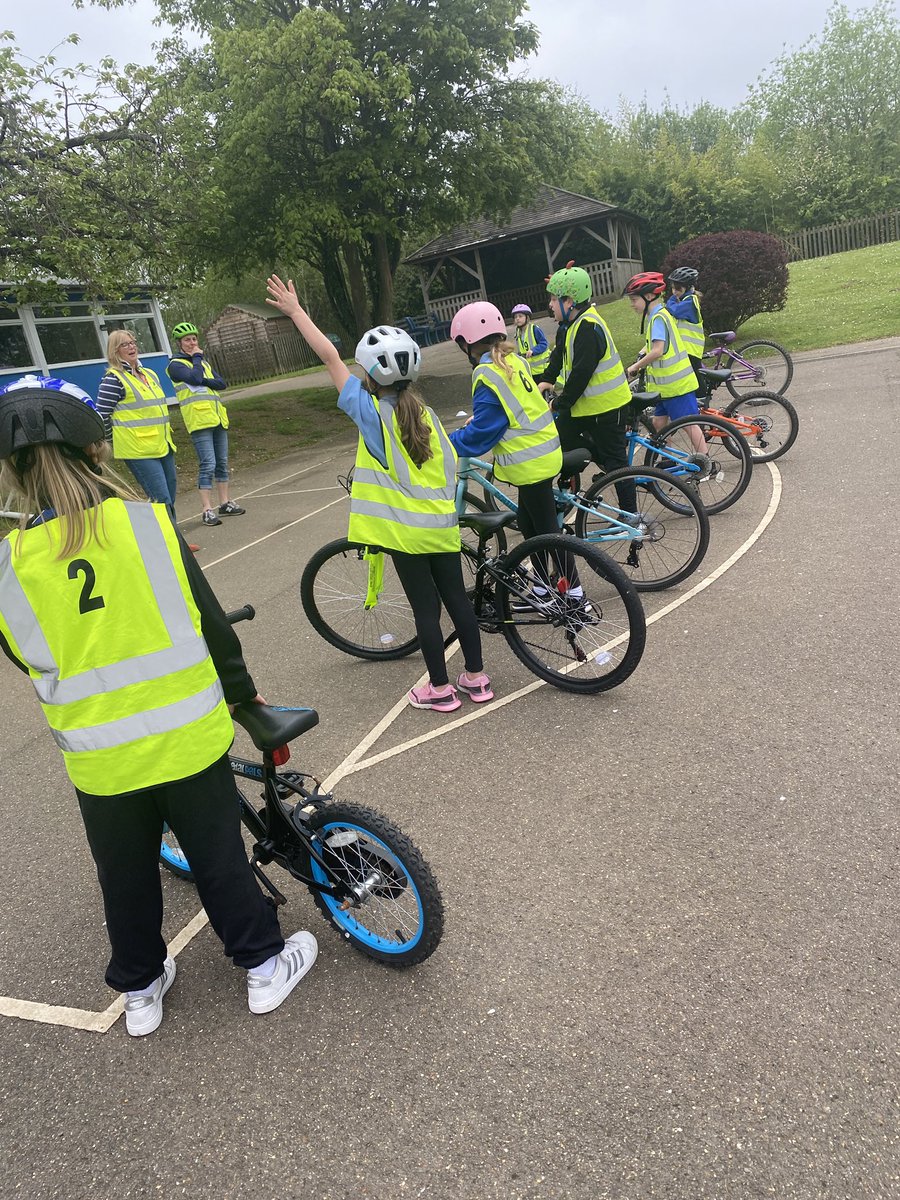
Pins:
<point x="250" y="359"/>
<point x="846" y="235"/>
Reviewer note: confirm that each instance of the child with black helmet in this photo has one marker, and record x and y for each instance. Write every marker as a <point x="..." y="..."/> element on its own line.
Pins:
<point x="684" y="305"/>
<point x="135" y="666"/>
<point x="403" y="497"/>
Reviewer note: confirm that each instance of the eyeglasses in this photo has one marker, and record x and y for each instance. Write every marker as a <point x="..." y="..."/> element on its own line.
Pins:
<point x="128" y="345"/>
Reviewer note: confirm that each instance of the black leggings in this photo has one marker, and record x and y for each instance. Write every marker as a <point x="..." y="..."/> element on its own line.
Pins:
<point x="604" y="435"/>
<point x="124" y="833"/>
<point x="427" y="580"/>
<point x="538" y="514"/>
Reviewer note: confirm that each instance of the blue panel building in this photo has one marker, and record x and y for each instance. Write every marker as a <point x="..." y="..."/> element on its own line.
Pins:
<point x="68" y="339"/>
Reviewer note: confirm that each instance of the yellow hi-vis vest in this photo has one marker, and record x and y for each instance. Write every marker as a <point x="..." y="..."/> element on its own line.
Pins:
<point x="529" y="449"/>
<point x="405" y="507"/>
<point x="671" y="375"/>
<point x="140" y="421"/>
<point x="607" y="388"/>
<point x="693" y="334"/>
<point x="111" y="638"/>
<point x="526" y="339"/>
<point x="200" y="406"/>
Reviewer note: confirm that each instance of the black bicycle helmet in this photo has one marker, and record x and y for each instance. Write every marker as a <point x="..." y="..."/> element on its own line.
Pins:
<point x="37" y="409"/>
<point x="686" y="275"/>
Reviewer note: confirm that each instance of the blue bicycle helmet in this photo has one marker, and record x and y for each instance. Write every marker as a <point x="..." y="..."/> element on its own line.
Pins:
<point x="38" y="409"/>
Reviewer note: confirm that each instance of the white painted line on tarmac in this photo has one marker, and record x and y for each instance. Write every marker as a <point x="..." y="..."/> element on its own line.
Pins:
<point x="355" y="761"/>
<point x="249" y="546"/>
<point x="335" y="487"/>
<point x="283" y="479"/>
<point x="102" y="1022"/>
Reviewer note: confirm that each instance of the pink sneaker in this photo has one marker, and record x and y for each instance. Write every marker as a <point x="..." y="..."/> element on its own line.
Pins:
<point x="429" y="697"/>
<point x="476" y="687"/>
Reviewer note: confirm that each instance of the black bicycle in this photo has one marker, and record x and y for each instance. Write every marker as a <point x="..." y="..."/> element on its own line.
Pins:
<point x="587" y="642"/>
<point x="365" y="875"/>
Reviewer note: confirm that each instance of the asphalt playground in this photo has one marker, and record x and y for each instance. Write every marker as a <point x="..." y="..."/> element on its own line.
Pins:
<point x="670" y="964"/>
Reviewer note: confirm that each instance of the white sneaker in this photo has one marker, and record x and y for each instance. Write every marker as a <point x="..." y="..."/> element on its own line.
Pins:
<point x="143" y="1014"/>
<point x="294" y="961"/>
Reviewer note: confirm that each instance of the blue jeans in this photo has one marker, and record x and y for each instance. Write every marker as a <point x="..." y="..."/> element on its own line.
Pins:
<point x="156" y="476"/>
<point x="212" y="450"/>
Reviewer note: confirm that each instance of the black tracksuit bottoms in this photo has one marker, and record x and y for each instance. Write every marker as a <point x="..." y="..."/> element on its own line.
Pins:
<point x="124" y="834"/>
<point x="604" y="435"/>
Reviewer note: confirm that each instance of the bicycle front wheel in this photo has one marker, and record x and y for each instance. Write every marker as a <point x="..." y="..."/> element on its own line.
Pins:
<point x="393" y="911"/>
<point x="768" y="366"/>
<point x="172" y="857"/>
<point x="719" y="475"/>
<point x="673" y="525"/>
<point x="768" y="421"/>
<point x="584" y="643"/>
<point x="353" y="598"/>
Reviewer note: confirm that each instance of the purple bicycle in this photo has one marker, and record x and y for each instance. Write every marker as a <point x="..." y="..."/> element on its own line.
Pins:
<point x="759" y="364"/>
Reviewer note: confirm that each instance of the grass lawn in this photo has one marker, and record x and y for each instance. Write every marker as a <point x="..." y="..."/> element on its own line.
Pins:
<point x="833" y="301"/>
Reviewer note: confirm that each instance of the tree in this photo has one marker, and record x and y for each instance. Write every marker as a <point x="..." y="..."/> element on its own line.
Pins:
<point x="742" y="273"/>
<point x="88" y="174"/>
<point x="336" y="126"/>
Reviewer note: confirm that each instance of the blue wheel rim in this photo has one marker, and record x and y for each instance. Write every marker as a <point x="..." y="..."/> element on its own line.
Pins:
<point x="173" y="856"/>
<point x="347" y="921"/>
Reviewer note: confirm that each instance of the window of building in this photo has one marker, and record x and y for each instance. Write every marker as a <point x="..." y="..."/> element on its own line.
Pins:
<point x="69" y="341"/>
<point x="143" y="328"/>
<point x="14" y="352"/>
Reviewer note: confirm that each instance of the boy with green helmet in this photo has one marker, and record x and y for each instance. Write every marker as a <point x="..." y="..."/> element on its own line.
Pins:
<point x="591" y="410"/>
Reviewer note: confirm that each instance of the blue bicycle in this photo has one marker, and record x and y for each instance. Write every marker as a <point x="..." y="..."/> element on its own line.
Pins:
<point x="657" y="546"/>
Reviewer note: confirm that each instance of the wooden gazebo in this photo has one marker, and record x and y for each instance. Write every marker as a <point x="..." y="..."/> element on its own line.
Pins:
<point x="508" y="263"/>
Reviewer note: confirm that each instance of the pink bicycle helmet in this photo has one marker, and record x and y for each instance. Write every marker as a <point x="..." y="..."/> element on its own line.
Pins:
<point x="523" y="308"/>
<point x="475" y="322"/>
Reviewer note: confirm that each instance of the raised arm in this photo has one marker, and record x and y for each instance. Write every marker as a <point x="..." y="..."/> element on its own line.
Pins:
<point x="283" y="296"/>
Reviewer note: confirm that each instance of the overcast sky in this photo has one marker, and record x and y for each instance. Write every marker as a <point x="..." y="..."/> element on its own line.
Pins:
<point x="691" y="50"/>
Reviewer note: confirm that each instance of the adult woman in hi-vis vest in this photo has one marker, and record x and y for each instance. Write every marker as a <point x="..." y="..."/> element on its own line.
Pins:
<point x="131" y="398"/>
<point x="134" y="664"/>
<point x="404" y="492"/>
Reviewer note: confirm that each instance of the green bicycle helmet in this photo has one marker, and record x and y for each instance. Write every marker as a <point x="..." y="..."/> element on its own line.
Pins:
<point x="184" y="329"/>
<point x="571" y="281"/>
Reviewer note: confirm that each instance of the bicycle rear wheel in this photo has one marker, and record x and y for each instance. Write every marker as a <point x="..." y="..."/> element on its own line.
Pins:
<point x="586" y="645"/>
<point x="398" y="918"/>
<point x="769" y="366"/>
<point x="719" y="479"/>
<point x="771" y="420"/>
<point x="673" y="522"/>
<point x="337" y="590"/>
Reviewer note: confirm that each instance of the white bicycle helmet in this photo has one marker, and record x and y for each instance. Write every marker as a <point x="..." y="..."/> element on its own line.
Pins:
<point x="389" y="355"/>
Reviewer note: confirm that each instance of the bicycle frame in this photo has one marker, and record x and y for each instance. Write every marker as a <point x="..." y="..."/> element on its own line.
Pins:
<point x="473" y="468"/>
<point x="721" y="352"/>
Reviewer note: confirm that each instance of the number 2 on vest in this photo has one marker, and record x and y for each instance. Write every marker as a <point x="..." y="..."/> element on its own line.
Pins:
<point x="86" y="603"/>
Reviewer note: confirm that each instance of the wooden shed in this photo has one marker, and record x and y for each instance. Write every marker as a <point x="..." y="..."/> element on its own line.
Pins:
<point x="507" y="263"/>
<point x="250" y="341"/>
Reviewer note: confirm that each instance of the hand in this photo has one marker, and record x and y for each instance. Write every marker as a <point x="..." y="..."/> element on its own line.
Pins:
<point x="282" y="296"/>
<point x="634" y="369"/>
<point x="257" y="699"/>
<point x="546" y="387"/>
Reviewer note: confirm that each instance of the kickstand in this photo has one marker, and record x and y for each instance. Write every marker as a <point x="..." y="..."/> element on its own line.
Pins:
<point x="267" y="883"/>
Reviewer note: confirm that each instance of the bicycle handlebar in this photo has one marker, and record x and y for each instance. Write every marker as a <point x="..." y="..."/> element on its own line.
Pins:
<point x="247" y="613"/>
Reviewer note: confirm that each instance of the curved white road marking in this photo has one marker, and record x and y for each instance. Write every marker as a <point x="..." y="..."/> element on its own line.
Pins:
<point x="102" y="1022"/>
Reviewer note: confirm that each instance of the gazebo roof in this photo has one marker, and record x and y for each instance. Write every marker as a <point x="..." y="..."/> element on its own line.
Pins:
<point x="552" y="207"/>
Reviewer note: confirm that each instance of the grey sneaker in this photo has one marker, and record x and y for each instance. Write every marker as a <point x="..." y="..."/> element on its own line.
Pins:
<point x="210" y="518"/>
<point x="294" y="961"/>
<point x="143" y="1014"/>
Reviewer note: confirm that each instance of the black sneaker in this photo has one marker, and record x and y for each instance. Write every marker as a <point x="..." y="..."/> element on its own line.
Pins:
<point x="210" y="518"/>
<point x="230" y="509"/>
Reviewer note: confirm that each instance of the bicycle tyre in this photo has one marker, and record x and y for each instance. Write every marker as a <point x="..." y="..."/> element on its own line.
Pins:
<point x="714" y="494"/>
<point x="685" y="533"/>
<point x="767" y="373"/>
<point x="756" y="412"/>
<point x="333" y="579"/>
<point x="390" y="852"/>
<point x="559" y="635"/>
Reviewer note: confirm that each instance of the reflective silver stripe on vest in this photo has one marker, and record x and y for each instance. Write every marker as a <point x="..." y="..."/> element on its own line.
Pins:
<point x="137" y="401"/>
<point x="199" y="394"/>
<point x="492" y="380"/>
<point x="685" y="373"/>
<point x="520" y="456"/>
<point x="143" y="423"/>
<point x="187" y="649"/>
<point x="142" y="725"/>
<point x="403" y="516"/>
<point x="382" y="479"/>
<point x="401" y="464"/>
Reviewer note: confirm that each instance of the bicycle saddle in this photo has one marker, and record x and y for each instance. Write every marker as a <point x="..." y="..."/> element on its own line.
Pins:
<point x="269" y="727"/>
<point x="728" y="336"/>
<point x="644" y="398"/>
<point x="574" y="461"/>
<point x="487" y="522"/>
<point x="715" y="376"/>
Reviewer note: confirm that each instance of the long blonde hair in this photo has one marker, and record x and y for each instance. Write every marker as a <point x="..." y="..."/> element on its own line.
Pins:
<point x="501" y="349"/>
<point x="116" y="338"/>
<point x="415" y="432"/>
<point x="52" y="476"/>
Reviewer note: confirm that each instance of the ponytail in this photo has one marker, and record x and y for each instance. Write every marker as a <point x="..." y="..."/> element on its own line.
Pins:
<point x="500" y="352"/>
<point x="415" y="432"/>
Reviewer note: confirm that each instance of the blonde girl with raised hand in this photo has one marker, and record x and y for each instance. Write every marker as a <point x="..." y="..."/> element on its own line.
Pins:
<point x="404" y="490"/>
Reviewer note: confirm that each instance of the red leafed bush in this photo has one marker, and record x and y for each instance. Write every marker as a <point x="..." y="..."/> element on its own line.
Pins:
<point x="742" y="273"/>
